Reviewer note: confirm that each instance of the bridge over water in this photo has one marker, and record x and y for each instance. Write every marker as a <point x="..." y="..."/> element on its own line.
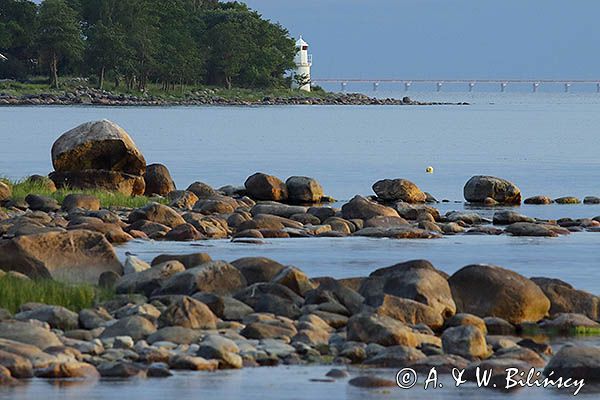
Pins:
<point x="470" y="83"/>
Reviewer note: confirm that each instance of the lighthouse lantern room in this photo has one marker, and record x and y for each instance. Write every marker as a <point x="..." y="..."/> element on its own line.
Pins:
<point x="303" y="60"/>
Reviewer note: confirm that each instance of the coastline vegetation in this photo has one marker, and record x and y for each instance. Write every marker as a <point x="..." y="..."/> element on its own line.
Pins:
<point x="22" y="188"/>
<point x="19" y="291"/>
<point x="144" y="46"/>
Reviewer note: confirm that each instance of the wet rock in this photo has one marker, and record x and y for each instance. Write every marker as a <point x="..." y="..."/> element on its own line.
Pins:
<point x="69" y="370"/>
<point x="136" y="327"/>
<point x="569" y="323"/>
<point x="575" y="362"/>
<point x="361" y="208"/>
<point x="395" y="357"/>
<point x="213" y="277"/>
<point x="188" y="260"/>
<point x="181" y="233"/>
<point x="190" y="363"/>
<point x="99" y="145"/>
<point x="19" y="367"/>
<point x="371" y="382"/>
<point x="332" y="292"/>
<point x="567" y="200"/>
<point x="499" y="326"/>
<point x="399" y="232"/>
<point x="337" y="373"/>
<point x="121" y="370"/>
<point x="28" y="333"/>
<point x="591" y="200"/>
<point x="530" y="229"/>
<point x="258" y="269"/>
<point x="57" y="317"/>
<point x="468" y="218"/>
<point x="150" y="280"/>
<point x="478" y="188"/>
<point x="380" y="329"/>
<point x="158" y="213"/>
<point x="507" y="217"/>
<point x="188" y="313"/>
<point x="158" y="180"/>
<point x="266" y="187"/>
<point x="304" y="190"/>
<point x="522" y="354"/>
<point x="486" y="290"/>
<point x="390" y="190"/>
<point x="6" y="379"/>
<point x="566" y="299"/>
<point x="80" y="201"/>
<point x="222" y="349"/>
<point x="158" y="370"/>
<point x="538" y="200"/>
<point x="466" y="341"/>
<point x="41" y="203"/>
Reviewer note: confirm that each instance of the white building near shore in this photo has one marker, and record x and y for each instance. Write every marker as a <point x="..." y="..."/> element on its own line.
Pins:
<point x="303" y="60"/>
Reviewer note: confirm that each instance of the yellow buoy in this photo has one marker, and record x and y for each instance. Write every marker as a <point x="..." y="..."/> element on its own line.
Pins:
<point x="429" y="170"/>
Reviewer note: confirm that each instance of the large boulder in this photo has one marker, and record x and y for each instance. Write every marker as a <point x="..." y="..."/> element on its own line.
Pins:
<point x="257" y="269"/>
<point x="566" y="299"/>
<point x="111" y="181"/>
<point x="407" y="311"/>
<point x="491" y="291"/>
<point x="302" y="190"/>
<point x="159" y="213"/>
<point x="73" y="256"/>
<point x="135" y="326"/>
<point x="97" y="145"/>
<point x="391" y="190"/>
<point x="466" y="341"/>
<point x="361" y="208"/>
<point x="212" y="277"/>
<point x="266" y="187"/>
<point x="158" y="180"/>
<point x="57" y="317"/>
<point x="380" y="329"/>
<point x="146" y="282"/>
<point x="188" y="313"/>
<point x="575" y="362"/>
<point x="28" y="333"/>
<point x="480" y="187"/>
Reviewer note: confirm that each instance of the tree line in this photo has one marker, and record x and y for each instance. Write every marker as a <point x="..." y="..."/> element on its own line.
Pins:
<point x="137" y="42"/>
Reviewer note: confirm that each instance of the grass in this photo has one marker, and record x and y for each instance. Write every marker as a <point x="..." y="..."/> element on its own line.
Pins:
<point x="38" y="86"/>
<point x="20" y="190"/>
<point x="16" y="292"/>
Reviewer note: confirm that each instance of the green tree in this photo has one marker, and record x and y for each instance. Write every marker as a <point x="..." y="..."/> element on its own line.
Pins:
<point x="18" y="20"/>
<point x="107" y="49"/>
<point x="59" y="36"/>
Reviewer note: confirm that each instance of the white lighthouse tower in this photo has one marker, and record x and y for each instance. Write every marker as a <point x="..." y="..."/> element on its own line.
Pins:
<point x="303" y="60"/>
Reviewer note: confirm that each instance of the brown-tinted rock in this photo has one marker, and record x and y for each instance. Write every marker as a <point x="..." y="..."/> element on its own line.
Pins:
<point x="266" y="187"/>
<point x="214" y="277"/>
<point x="158" y="180"/>
<point x="466" y="341"/>
<point x="478" y="188"/>
<point x="257" y="269"/>
<point x="158" y="213"/>
<point x="135" y="326"/>
<point x="188" y="260"/>
<point x="380" y="329"/>
<point x="575" y="362"/>
<point x="566" y="299"/>
<point x="304" y="190"/>
<point x="95" y="179"/>
<point x="82" y="201"/>
<point x="391" y="190"/>
<point x="361" y="208"/>
<point x="188" y="313"/>
<point x="28" y="333"/>
<point x="407" y="311"/>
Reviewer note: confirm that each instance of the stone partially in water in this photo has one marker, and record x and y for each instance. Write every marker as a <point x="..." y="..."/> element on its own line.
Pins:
<point x="391" y="190"/>
<point x="304" y="190"/>
<point x="158" y="180"/>
<point x="480" y="187"/>
<point x="266" y="187"/>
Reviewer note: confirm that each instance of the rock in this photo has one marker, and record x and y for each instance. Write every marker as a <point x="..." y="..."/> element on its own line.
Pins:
<point x="57" y="317"/>
<point x="120" y="369"/>
<point x="407" y="311"/>
<point x="81" y="201"/>
<point x="507" y="217"/>
<point x="158" y="180"/>
<point x="19" y="367"/>
<point x="182" y="199"/>
<point x="146" y="282"/>
<point x="93" y="318"/>
<point x="188" y="260"/>
<point x="486" y="290"/>
<point x="134" y="265"/>
<point x="304" y="190"/>
<point x="466" y="341"/>
<point x="575" y="362"/>
<point x="257" y="269"/>
<point x="361" y="208"/>
<point x="175" y="334"/>
<point x="158" y="213"/>
<point x="274" y="208"/>
<point x="567" y="200"/>
<point x="271" y="298"/>
<point x="569" y="323"/>
<point x="416" y="280"/>
<point x="499" y="326"/>
<point x="380" y="329"/>
<point x="443" y="363"/>
<point x="530" y="229"/>
<point x="224" y="307"/>
<point x="42" y="203"/>
<point x="337" y="373"/>
<point x="263" y="330"/>
<point x="28" y="333"/>
<point x="213" y="277"/>
<point x="538" y="200"/>
<point x="158" y="370"/>
<point x="478" y="188"/>
<point x="398" y="232"/>
<point x="566" y="299"/>
<point x="190" y="363"/>
<point x="135" y="326"/>
<point x="188" y="313"/>
<point x="185" y="232"/>
<point x="266" y="187"/>
<point x="222" y="349"/>
<point x="466" y="319"/>
<point x="294" y="279"/>
<point x="69" y="370"/>
<point x="73" y="256"/>
<point x="591" y="200"/>
<point x="6" y="379"/>
<point x="93" y="179"/>
<point x="42" y="182"/>
<point x="395" y="357"/>
<point x="333" y="292"/>
<point x="98" y="145"/>
<point x="391" y="190"/>
<point x="5" y="192"/>
<point x="371" y="382"/>
<point x="201" y="190"/>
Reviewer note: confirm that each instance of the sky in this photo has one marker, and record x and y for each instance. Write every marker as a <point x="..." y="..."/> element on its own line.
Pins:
<point x="445" y="39"/>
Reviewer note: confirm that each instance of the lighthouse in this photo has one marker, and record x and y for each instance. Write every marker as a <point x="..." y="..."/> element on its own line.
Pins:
<point x="303" y="60"/>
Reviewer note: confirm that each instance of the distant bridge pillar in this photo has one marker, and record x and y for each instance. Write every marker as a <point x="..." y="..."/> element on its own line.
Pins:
<point x="567" y="86"/>
<point x="439" y="86"/>
<point x="471" y="86"/>
<point x="407" y="86"/>
<point x="344" y="84"/>
<point x="535" y="85"/>
<point x="375" y="86"/>
<point x="503" y="86"/>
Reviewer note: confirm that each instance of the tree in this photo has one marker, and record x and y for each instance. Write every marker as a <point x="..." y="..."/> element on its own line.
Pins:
<point x="106" y="49"/>
<point x="59" y="36"/>
<point x="17" y="32"/>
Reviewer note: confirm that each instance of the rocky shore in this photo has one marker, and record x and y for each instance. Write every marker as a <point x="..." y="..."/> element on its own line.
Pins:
<point x="89" y="96"/>
<point x="189" y="312"/>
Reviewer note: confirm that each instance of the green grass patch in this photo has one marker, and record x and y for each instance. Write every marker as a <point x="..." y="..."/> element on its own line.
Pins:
<point x="22" y="188"/>
<point x="15" y="292"/>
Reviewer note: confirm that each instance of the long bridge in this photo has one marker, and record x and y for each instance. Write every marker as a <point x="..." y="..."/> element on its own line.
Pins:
<point x="503" y="83"/>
